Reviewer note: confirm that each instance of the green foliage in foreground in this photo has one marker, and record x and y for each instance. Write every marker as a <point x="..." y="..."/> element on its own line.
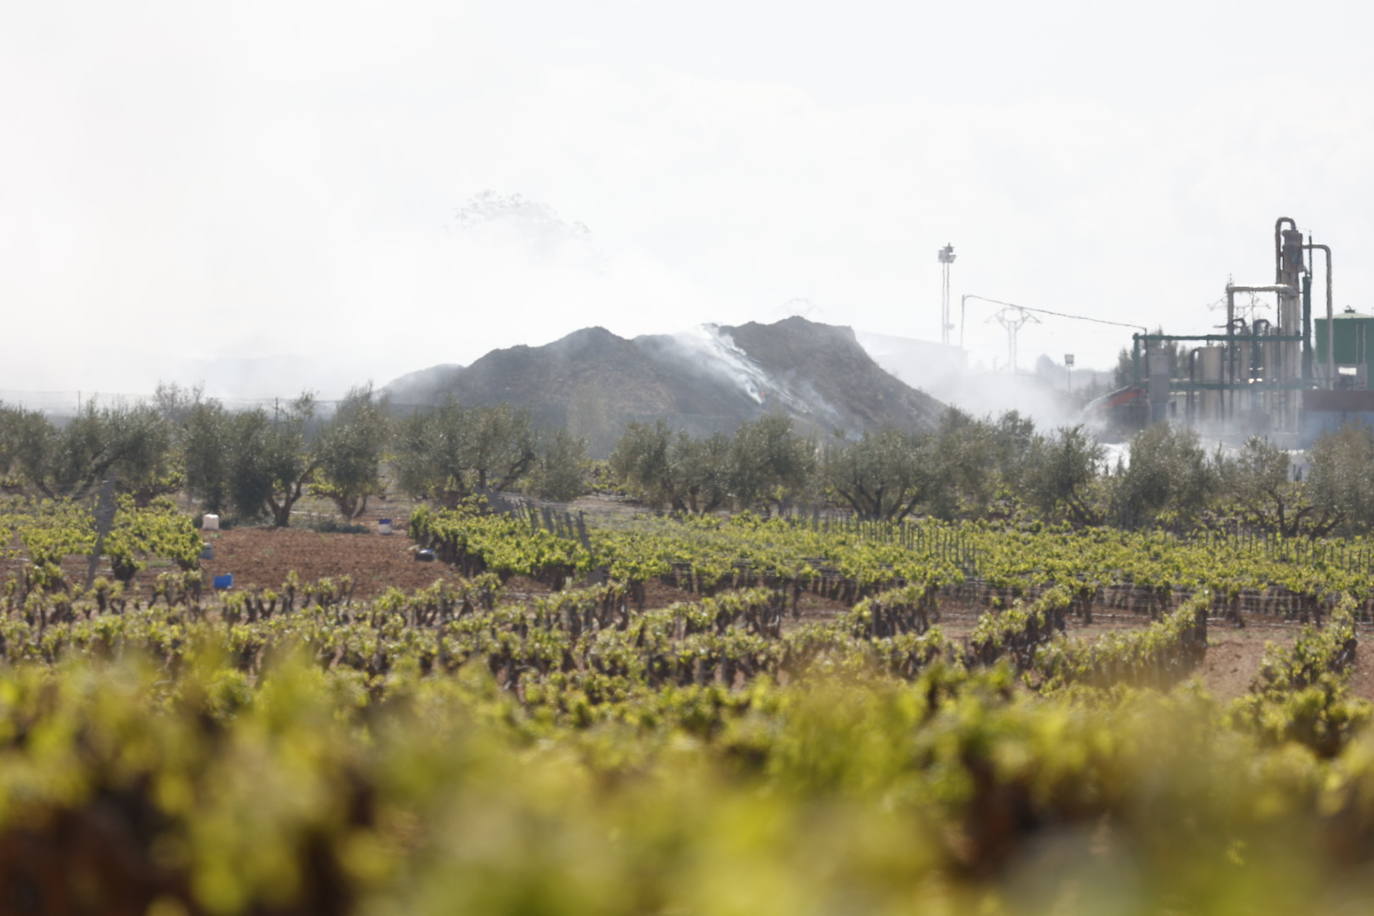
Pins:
<point x="466" y="749"/>
<point x="198" y="786"/>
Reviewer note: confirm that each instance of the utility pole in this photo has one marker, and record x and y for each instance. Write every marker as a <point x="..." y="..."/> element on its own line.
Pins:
<point x="1013" y="318"/>
<point x="946" y="256"/>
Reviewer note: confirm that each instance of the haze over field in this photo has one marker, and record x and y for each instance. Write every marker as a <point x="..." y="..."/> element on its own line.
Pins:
<point x="270" y="195"/>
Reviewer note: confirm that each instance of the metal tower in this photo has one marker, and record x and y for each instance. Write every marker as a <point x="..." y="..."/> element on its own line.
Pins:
<point x="946" y="256"/>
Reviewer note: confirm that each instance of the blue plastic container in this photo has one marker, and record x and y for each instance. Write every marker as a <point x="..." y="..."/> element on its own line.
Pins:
<point x="207" y="552"/>
<point x="384" y="526"/>
<point x="224" y="581"/>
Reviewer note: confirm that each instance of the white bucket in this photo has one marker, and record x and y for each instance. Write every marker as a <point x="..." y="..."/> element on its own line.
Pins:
<point x="210" y="522"/>
<point x="383" y="526"/>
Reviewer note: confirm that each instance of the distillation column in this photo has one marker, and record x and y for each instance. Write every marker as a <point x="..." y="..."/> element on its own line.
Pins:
<point x="1286" y="374"/>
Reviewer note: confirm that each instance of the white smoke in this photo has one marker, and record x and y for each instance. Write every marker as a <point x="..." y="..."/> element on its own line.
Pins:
<point x="716" y="352"/>
<point x="713" y="350"/>
<point x="516" y="221"/>
<point x="940" y="371"/>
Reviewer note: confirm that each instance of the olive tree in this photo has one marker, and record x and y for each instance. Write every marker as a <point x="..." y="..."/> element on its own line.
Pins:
<point x="205" y="446"/>
<point x="642" y="463"/>
<point x="960" y="466"/>
<point x="560" y="470"/>
<point x="770" y="464"/>
<point x="671" y="470"/>
<point x="1259" y="489"/>
<point x="1168" y="481"/>
<point x="1060" y="475"/>
<point x="451" y="452"/>
<point x="881" y="476"/>
<point x="271" y="460"/>
<point x="349" y="451"/>
<point x="131" y="444"/>
<point x="701" y="470"/>
<point x="1342" y="465"/>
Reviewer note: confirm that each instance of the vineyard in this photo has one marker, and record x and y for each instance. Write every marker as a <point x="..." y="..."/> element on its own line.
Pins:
<point x="647" y="715"/>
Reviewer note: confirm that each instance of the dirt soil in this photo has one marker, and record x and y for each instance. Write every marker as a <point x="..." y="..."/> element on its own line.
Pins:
<point x="1234" y="655"/>
<point x="261" y="558"/>
<point x="1362" y="679"/>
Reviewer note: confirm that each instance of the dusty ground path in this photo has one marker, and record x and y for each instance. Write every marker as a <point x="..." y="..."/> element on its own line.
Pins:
<point x="1362" y="678"/>
<point x="1234" y="655"/>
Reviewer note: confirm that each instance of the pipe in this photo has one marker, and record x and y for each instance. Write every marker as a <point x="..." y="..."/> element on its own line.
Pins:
<point x="1238" y="338"/>
<point x="1231" y="355"/>
<point x="1231" y="291"/>
<point x="1192" y="380"/>
<point x="1272" y="288"/>
<point x="1258" y="361"/>
<point x="1307" y="325"/>
<point x="1330" y="316"/>
<point x="1278" y="244"/>
<point x="1224" y="402"/>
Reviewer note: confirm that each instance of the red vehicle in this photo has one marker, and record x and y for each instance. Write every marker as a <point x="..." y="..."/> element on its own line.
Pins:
<point x="1124" y="410"/>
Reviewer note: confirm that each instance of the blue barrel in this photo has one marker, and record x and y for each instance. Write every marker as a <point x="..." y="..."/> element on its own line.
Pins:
<point x="207" y="552"/>
<point x="224" y="581"/>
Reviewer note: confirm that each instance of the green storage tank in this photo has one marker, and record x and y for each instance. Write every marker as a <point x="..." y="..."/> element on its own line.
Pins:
<point x="1352" y="338"/>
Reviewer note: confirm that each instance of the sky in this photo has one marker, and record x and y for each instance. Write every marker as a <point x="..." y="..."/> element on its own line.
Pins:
<point x="276" y="195"/>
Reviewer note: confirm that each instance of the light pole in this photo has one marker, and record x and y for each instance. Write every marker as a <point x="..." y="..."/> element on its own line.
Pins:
<point x="946" y="256"/>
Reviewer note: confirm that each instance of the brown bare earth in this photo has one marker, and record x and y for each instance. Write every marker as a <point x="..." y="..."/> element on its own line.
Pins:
<point x="1234" y="655"/>
<point x="1362" y="680"/>
<point x="261" y="558"/>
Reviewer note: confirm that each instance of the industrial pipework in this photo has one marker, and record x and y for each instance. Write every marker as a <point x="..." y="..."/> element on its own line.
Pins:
<point x="1276" y="366"/>
<point x="1330" y="315"/>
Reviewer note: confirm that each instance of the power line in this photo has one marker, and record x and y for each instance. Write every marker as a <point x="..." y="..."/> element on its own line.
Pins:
<point x="963" y="303"/>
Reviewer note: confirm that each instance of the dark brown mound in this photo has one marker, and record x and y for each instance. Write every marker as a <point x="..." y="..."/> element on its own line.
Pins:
<point x="593" y="383"/>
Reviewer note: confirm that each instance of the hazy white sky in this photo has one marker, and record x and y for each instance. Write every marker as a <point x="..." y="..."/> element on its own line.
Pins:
<point x="371" y="188"/>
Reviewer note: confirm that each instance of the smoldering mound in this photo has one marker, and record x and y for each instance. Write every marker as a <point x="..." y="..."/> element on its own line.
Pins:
<point x="707" y="380"/>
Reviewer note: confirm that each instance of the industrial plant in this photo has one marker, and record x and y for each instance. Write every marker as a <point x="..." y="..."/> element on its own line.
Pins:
<point x="1291" y="377"/>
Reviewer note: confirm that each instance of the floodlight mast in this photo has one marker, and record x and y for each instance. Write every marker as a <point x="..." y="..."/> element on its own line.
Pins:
<point x="946" y="257"/>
